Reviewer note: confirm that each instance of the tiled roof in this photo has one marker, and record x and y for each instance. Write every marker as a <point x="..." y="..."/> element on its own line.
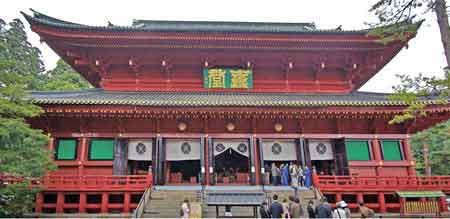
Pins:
<point x="218" y="99"/>
<point x="192" y="26"/>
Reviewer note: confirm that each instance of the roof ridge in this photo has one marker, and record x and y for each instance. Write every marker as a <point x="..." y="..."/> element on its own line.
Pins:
<point x="212" y="26"/>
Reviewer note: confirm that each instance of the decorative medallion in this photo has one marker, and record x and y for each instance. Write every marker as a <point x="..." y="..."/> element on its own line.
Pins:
<point x="186" y="148"/>
<point x="276" y="148"/>
<point x="230" y="127"/>
<point x="321" y="148"/>
<point x="182" y="126"/>
<point x="278" y="127"/>
<point x="140" y="148"/>
<point x="242" y="148"/>
<point x="220" y="147"/>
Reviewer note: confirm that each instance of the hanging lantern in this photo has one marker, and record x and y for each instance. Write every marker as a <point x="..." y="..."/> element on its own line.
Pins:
<point x="182" y="126"/>
<point x="278" y="127"/>
<point x="230" y="127"/>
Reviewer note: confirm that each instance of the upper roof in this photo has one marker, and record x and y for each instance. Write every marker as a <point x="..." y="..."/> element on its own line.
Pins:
<point x="193" y="26"/>
<point x="214" y="99"/>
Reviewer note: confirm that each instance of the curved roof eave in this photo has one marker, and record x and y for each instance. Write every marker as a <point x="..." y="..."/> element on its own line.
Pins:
<point x="192" y="26"/>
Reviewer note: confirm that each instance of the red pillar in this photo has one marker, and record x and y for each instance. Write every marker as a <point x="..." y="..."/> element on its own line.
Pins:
<point x="82" y="207"/>
<point x="104" y="206"/>
<point x="376" y="149"/>
<point x="82" y="155"/>
<point x="382" y="202"/>
<point x="39" y="202"/>
<point x="443" y="204"/>
<point x="359" y="197"/>
<point x="59" y="202"/>
<point x="51" y="145"/>
<point x="126" y="202"/>
<point x="315" y="178"/>
<point x="206" y="154"/>
<point x="409" y="157"/>
<point x="402" y="206"/>
<point x="338" y="197"/>
<point x="257" y="162"/>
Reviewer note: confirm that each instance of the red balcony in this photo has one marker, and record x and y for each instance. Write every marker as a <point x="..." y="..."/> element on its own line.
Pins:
<point x="88" y="182"/>
<point x="379" y="183"/>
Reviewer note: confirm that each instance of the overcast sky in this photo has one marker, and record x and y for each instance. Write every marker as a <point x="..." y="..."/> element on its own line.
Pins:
<point x="424" y="55"/>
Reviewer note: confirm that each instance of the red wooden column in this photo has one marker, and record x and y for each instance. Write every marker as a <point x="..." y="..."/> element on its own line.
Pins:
<point x="206" y="154"/>
<point x="104" y="205"/>
<point x="82" y="154"/>
<point x="51" y="145"/>
<point x="59" y="202"/>
<point x="126" y="202"/>
<point x="338" y="197"/>
<point x="376" y="149"/>
<point x="82" y="206"/>
<point x="257" y="161"/>
<point x="39" y="202"/>
<point x="382" y="202"/>
<point x="359" y="197"/>
<point x="443" y="204"/>
<point x="409" y="157"/>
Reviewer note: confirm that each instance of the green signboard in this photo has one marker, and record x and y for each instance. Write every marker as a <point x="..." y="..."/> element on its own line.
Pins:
<point x="227" y="78"/>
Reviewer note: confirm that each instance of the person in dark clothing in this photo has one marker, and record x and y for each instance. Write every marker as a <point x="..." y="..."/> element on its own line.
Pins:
<point x="324" y="209"/>
<point x="264" y="211"/>
<point x="311" y="210"/>
<point x="276" y="209"/>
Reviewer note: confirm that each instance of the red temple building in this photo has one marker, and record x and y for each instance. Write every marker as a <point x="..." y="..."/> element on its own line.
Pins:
<point x="186" y="102"/>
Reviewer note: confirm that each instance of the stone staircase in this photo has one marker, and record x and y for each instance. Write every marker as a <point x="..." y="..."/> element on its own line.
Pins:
<point x="166" y="203"/>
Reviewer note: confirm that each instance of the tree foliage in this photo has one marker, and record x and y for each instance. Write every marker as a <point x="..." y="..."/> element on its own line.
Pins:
<point x="438" y="140"/>
<point x="22" y="149"/>
<point x="415" y="91"/>
<point x="63" y="77"/>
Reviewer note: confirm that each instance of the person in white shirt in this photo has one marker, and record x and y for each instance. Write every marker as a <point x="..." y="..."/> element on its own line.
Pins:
<point x="339" y="212"/>
<point x="186" y="209"/>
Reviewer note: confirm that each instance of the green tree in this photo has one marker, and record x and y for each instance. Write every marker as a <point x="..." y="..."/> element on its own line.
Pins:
<point x="63" y="77"/>
<point x="414" y="90"/>
<point x="438" y="139"/>
<point x="22" y="149"/>
<point x="15" y="46"/>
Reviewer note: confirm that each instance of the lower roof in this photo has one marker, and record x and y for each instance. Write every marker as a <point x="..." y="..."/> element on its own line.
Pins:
<point x="213" y="99"/>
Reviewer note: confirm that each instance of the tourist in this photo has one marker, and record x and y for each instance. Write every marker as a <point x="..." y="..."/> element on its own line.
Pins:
<point x="276" y="209"/>
<point x="339" y="212"/>
<point x="301" y="176"/>
<point x="311" y="210"/>
<point x="308" y="179"/>
<point x="266" y="174"/>
<point x="293" y="170"/>
<point x="344" y="206"/>
<point x="228" y="211"/>
<point x="365" y="211"/>
<point x="286" y="209"/>
<point x="285" y="175"/>
<point x="264" y="210"/>
<point x="296" y="210"/>
<point x="324" y="209"/>
<point x="185" y="209"/>
<point x="275" y="174"/>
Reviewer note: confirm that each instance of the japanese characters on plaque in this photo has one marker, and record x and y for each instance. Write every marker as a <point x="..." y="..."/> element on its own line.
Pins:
<point x="227" y="78"/>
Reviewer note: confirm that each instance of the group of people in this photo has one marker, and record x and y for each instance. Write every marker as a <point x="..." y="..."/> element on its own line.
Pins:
<point x="294" y="209"/>
<point x="324" y="210"/>
<point x="286" y="209"/>
<point x="290" y="174"/>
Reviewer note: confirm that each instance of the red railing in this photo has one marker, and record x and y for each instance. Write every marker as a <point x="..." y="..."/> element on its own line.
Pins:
<point x="88" y="182"/>
<point x="380" y="183"/>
